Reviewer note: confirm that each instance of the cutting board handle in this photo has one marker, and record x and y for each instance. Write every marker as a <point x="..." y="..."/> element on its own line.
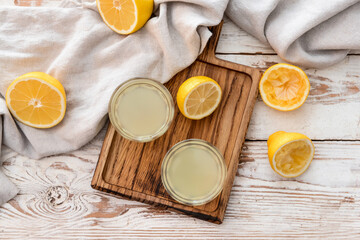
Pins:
<point x="208" y="55"/>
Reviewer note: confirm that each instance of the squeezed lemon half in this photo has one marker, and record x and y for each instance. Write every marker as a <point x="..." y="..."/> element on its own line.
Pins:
<point x="284" y="87"/>
<point x="290" y="154"/>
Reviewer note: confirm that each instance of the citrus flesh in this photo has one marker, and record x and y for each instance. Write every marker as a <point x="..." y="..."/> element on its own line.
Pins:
<point x="284" y="87"/>
<point x="290" y="154"/>
<point x="37" y="100"/>
<point x="198" y="97"/>
<point x="125" y="16"/>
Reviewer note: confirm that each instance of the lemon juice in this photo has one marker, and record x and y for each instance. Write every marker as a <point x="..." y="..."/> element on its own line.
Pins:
<point x="141" y="109"/>
<point x="193" y="172"/>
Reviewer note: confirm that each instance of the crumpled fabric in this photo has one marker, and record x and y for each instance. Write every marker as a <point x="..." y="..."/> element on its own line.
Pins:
<point x="73" y="44"/>
<point x="308" y="33"/>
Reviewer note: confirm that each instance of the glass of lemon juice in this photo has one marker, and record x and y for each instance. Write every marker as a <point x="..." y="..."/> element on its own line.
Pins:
<point x="141" y="109"/>
<point x="193" y="172"/>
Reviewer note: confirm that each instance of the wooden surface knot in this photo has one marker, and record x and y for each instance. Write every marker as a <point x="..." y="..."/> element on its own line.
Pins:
<point x="57" y="195"/>
<point x="323" y="203"/>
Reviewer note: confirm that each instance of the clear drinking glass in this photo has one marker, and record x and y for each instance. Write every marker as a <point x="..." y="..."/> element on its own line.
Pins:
<point x="141" y="109"/>
<point x="193" y="172"/>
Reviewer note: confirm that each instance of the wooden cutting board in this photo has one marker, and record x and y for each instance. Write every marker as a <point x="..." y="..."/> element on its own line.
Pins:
<point x="132" y="169"/>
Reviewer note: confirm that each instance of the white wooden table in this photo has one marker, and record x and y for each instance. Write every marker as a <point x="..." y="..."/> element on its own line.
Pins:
<point x="56" y="200"/>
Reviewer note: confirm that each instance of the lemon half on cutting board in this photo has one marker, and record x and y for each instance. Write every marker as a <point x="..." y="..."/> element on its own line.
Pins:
<point x="125" y="16"/>
<point x="37" y="100"/>
<point x="284" y="87"/>
<point x="290" y="154"/>
<point x="198" y="97"/>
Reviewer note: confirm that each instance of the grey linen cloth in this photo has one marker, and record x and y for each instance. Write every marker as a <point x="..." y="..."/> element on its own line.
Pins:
<point x="309" y="33"/>
<point x="71" y="43"/>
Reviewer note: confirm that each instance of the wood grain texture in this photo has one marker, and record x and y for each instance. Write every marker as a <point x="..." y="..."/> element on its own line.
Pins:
<point x="36" y="3"/>
<point x="236" y="41"/>
<point x="6" y="3"/>
<point x="133" y="170"/>
<point x="322" y="203"/>
<point x="329" y="113"/>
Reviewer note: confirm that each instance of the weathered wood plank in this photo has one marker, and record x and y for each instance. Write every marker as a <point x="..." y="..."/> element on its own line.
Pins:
<point x="236" y="41"/>
<point x="36" y="3"/>
<point x="318" y="121"/>
<point x="6" y="3"/>
<point x="121" y="161"/>
<point x="330" y="112"/>
<point x="337" y="84"/>
<point x="323" y="202"/>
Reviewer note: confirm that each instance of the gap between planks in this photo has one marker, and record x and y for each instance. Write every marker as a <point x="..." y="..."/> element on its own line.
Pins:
<point x="330" y="112"/>
<point x="323" y="202"/>
<point x="234" y="40"/>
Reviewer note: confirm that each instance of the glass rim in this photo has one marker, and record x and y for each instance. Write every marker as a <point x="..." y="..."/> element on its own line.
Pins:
<point x="164" y="92"/>
<point x="209" y="197"/>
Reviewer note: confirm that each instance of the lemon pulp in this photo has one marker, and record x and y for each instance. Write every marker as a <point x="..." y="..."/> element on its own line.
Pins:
<point x="290" y="154"/>
<point x="284" y="87"/>
<point x="292" y="158"/>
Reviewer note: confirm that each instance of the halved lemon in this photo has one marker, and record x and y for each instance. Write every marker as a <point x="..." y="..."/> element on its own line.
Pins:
<point x="198" y="97"/>
<point x="37" y="100"/>
<point x="125" y="16"/>
<point x="284" y="87"/>
<point x="290" y="154"/>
